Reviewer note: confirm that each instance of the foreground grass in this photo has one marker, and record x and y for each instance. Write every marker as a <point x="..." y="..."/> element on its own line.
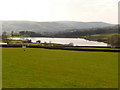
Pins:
<point x="43" y="68"/>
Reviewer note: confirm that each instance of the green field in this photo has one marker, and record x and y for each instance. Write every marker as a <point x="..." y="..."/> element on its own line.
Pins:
<point x="105" y="35"/>
<point x="101" y="37"/>
<point x="44" y="68"/>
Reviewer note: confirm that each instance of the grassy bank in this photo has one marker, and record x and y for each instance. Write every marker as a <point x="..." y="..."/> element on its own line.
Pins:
<point x="100" y="37"/>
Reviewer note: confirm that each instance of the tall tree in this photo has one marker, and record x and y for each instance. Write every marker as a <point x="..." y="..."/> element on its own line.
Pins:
<point x="4" y="37"/>
<point x="12" y="33"/>
<point x="115" y="41"/>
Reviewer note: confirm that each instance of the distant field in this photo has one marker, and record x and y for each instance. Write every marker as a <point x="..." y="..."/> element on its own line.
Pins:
<point x="101" y="37"/>
<point x="44" y="68"/>
<point x="106" y="35"/>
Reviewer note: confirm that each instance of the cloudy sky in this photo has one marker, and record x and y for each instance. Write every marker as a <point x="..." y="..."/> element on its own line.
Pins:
<point x="60" y="10"/>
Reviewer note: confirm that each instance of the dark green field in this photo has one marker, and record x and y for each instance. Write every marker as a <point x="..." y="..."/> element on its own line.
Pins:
<point x="44" y="68"/>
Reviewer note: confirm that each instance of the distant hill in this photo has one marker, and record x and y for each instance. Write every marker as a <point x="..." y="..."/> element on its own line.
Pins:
<point x="49" y="26"/>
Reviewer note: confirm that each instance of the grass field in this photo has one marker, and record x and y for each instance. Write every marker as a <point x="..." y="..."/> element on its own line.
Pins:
<point x="44" y="68"/>
<point x="101" y="37"/>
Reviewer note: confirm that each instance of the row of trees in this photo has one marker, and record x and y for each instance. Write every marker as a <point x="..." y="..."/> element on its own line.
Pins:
<point x="23" y="33"/>
<point x="30" y="34"/>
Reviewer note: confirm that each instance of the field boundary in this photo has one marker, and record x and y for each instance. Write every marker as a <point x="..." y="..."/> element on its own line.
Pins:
<point x="62" y="48"/>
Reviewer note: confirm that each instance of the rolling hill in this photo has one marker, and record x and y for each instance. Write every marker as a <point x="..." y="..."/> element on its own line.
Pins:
<point x="17" y="26"/>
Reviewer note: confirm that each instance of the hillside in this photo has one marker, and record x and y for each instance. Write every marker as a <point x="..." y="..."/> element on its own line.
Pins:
<point x="76" y="33"/>
<point x="100" y="37"/>
<point x="17" y="26"/>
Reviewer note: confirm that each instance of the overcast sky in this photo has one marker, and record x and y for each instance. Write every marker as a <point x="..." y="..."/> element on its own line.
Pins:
<point x="60" y="10"/>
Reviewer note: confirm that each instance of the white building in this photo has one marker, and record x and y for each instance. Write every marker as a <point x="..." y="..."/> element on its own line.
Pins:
<point x="3" y="43"/>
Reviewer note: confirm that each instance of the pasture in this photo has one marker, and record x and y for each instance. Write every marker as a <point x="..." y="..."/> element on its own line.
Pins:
<point x="101" y="37"/>
<point x="44" y="68"/>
